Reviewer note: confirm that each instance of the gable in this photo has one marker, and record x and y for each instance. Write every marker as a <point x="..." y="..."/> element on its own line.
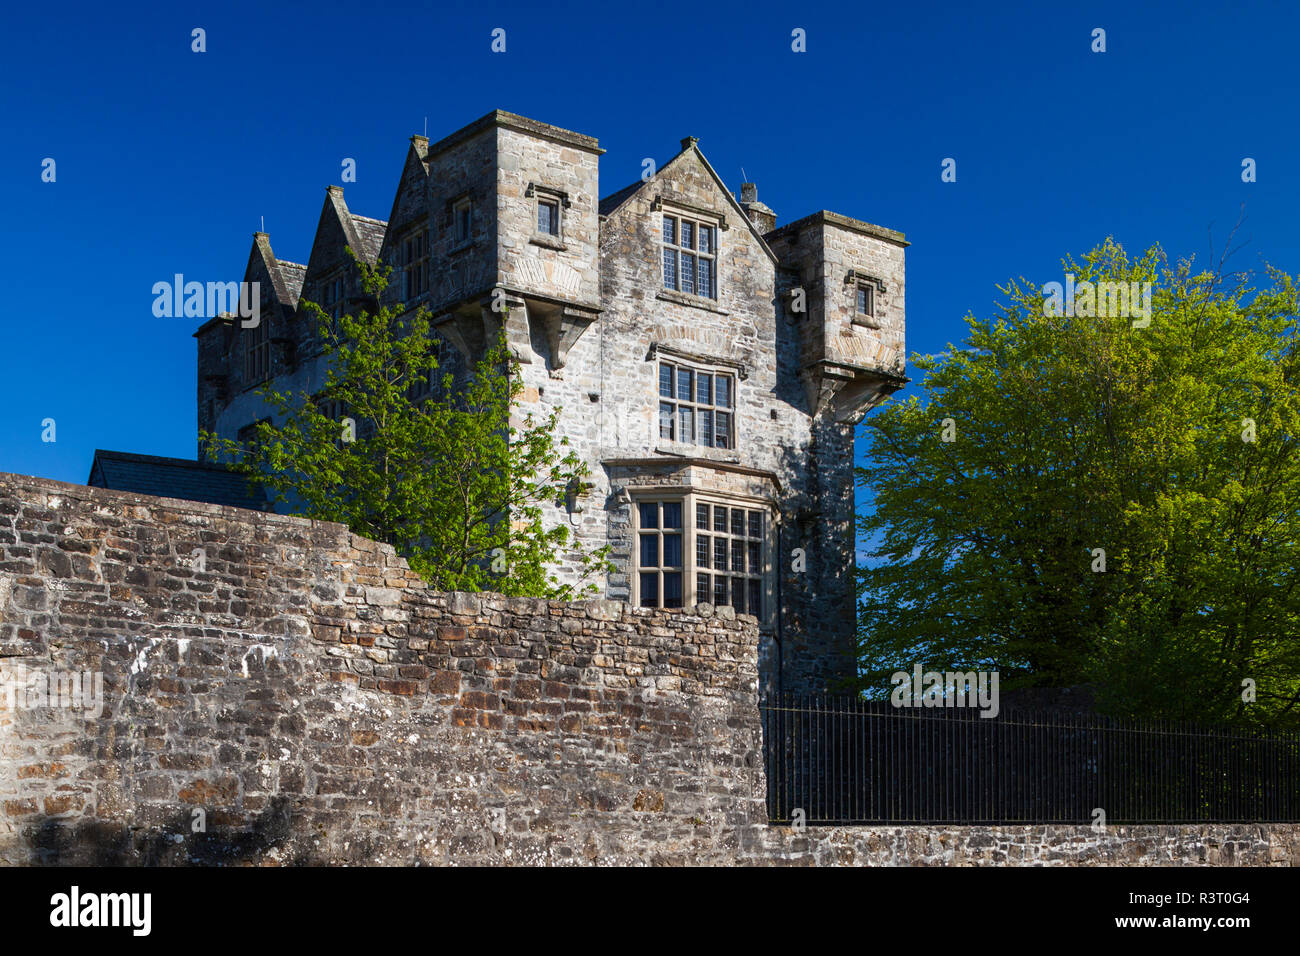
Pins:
<point x="688" y="180"/>
<point x="336" y="231"/>
<point x="409" y="199"/>
<point x="264" y="268"/>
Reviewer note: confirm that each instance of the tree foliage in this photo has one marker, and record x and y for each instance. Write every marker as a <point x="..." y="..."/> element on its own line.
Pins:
<point x="1167" y="454"/>
<point x="450" y="476"/>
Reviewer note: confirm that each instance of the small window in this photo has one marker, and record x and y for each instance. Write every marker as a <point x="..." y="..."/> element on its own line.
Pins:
<point x="334" y="295"/>
<point x="548" y="217"/>
<point x="463" y="215"/>
<point x="866" y="300"/>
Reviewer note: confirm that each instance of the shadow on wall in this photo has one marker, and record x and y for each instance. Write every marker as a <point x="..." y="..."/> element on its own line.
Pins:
<point x="92" y="843"/>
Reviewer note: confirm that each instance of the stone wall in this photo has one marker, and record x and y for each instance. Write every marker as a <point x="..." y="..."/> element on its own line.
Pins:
<point x="318" y="704"/>
<point x="1054" y="845"/>
<point x="280" y="691"/>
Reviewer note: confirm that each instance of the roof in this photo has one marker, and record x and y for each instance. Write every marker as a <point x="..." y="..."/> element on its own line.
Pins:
<point x="371" y="233"/>
<point x="824" y="217"/>
<point x="516" y="122"/>
<point x="362" y="234"/>
<point x="614" y="200"/>
<point x="292" y="273"/>
<point x="173" y="478"/>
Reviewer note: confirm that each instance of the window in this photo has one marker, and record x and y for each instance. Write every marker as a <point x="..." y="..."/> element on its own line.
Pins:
<point x="865" y="307"/>
<point x="549" y="205"/>
<point x="257" y="346"/>
<point x="659" y="553"/>
<point x="696" y="405"/>
<point x="730" y="557"/>
<point x="723" y="555"/>
<point x="334" y="296"/>
<point x="793" y="294"/>
<point x="548" y="217"/>
<point x="866" y="300"/>
<point x="413" y="258"/>
<point x="690" y="250"/>
<point x="463" y="218"/>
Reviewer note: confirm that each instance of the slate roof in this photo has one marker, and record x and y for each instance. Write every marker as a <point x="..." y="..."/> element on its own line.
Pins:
<point x="173" y="478"/>
<point x="371" y="233"/>
<point x="614" y="200"/>
<point x="293" y="273"/>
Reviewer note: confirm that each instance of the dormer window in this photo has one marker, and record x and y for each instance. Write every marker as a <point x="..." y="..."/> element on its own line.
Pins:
<point x="690" y="251"/>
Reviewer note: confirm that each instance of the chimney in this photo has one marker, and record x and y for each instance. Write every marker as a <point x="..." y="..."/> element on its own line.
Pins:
<point x="763" y="218"/>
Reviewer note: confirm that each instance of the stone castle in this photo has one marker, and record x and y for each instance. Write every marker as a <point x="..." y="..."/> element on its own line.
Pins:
<point x="709" y="365"/>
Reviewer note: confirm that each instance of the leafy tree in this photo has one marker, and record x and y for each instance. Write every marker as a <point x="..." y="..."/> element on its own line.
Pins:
<point x="450" y="477"/>
<point x="1117" y="506"/>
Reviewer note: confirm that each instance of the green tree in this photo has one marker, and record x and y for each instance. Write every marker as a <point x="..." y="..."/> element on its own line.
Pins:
<point x="1118" y="506"/>
<point x="453" y="479"/>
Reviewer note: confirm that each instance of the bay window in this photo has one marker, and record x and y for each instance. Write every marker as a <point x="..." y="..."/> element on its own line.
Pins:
<point x="700" y="550"/>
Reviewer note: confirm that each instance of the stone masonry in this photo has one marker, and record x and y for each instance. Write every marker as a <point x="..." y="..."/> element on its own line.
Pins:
<point x="804" y="323"/>
<point x="280" y="691"/>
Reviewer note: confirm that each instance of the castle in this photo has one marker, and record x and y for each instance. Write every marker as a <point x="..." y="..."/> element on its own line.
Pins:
<point x="709" y="365"/>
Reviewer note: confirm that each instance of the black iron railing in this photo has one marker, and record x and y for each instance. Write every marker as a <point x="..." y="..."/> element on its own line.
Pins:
<point x="845" y="761"/>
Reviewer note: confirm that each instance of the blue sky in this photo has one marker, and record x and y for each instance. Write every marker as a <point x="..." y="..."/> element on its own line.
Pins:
<point x="167" y="159"/>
